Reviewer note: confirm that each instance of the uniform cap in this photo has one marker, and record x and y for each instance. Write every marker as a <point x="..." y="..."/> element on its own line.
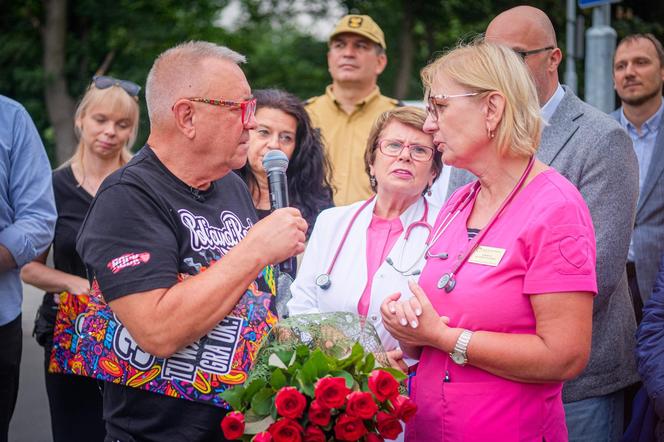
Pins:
<point x="361" y="25"/>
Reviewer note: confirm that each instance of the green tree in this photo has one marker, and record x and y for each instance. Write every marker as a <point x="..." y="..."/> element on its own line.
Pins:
<point x="50" y="49"/>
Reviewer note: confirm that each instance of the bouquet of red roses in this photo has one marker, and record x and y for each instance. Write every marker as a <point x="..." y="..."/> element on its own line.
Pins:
<point x="313" y="395"/>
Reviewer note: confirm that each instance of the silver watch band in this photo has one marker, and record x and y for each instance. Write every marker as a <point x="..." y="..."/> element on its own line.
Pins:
<point x="460" y="355"/>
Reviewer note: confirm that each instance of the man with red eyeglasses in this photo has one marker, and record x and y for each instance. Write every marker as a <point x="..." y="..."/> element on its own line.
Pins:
<point x="173" y="245"/>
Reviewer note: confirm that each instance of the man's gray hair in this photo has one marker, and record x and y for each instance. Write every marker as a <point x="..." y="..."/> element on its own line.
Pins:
<point x="176" y="69"/>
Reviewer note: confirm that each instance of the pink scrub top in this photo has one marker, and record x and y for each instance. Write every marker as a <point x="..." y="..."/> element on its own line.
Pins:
<point x="382" y="234"/>
<point x="549" y="246"/>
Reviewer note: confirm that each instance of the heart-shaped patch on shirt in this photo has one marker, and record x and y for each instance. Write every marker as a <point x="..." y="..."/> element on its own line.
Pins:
<point x="574" y="250"/>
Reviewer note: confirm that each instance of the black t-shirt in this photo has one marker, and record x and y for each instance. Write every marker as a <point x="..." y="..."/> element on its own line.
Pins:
<point x="72" y="202"/>
<point x="144" y="229"/>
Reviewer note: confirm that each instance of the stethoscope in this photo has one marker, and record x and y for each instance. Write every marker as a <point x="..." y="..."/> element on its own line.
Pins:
<point x="323" y="280"/>
<point x="448" y="280"/>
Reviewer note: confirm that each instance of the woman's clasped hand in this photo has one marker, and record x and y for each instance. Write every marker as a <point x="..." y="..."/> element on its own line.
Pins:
<point x="414" y="322"/>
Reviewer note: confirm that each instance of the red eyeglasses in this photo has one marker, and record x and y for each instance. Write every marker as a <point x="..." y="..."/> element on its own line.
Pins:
<point x="248" y="107"/>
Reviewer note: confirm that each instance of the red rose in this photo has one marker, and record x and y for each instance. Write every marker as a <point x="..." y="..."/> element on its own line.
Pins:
<point x="319" y="415"/>
<point x="331" y="392"/>
<point x="286" y="430"/>
<point x="233" y="425"/>
<point x="404" y="408"/>
<point x="290" y="402"/>
<point x="361" y="404"/>
<point x="349" y="428"/>
<point x="314" y="434"/>
<point x="373" y="437"/>
<point x="383" y="385"/>
<point x="262" y="437"/>
<point x="388" y="425"/>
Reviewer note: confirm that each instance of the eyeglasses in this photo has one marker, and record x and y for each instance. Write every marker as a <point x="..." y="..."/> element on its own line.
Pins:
<point x="248" y="107"/>
<point x="104" y="82"/>
<point x="393" y="148"/>
<point x="434" y="102"/>
<point x="524" y="54"/>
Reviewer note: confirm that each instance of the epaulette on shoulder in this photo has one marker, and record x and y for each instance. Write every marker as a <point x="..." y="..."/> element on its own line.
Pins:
<point x="309" y="101"/>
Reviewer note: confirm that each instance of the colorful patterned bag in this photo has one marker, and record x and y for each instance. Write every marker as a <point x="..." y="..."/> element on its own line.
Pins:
<point x="90" y="341"/>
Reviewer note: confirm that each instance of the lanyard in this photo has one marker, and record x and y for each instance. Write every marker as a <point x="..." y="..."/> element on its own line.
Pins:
<point x="448" y="281"/>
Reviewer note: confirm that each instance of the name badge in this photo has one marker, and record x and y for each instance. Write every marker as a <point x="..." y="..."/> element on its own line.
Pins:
<point x="488" y="256"/>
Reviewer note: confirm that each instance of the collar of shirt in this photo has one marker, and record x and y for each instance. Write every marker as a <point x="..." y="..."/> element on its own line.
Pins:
<point x="652" y="124"/>
<point x="372" y="96"/>
<point x="550" y="106"/>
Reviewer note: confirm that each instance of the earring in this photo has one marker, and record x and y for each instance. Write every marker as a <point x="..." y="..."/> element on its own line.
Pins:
<point x="490" y="134"/>
<point x="372" y="181"/>
<point x="427" y="191"/>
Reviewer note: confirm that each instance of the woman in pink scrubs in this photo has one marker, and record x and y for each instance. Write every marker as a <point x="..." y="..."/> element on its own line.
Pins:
<point x="358" y="254"/>
<point x="502" y="313"/>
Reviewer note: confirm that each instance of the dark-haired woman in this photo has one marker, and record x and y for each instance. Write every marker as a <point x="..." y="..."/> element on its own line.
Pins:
<point x="283" y="124"/>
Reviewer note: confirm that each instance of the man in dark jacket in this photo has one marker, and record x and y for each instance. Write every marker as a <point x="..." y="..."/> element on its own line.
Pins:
<point x="650" y="350"/>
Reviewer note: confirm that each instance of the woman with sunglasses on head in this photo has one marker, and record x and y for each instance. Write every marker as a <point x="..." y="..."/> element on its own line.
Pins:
<point x="359" y="253"/>
<point x="106" y="122"/>
<point x="501" y="323"/>
<point x="284" y="125"/>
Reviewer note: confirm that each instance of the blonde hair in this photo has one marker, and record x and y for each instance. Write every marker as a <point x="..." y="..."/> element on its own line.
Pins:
<point x="407" y="115"/>
<point x="481" y="66"/>
<point x="114" y="99"/>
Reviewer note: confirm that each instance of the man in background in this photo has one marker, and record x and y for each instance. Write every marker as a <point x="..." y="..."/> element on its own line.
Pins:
<point x="638" y="75"/>
<point x="596" y="155"/>
<point x="351" y="104"/>
<point x="27" y="220"/>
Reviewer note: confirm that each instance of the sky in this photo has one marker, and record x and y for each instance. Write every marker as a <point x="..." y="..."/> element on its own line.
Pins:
<point x="320" y="28"/>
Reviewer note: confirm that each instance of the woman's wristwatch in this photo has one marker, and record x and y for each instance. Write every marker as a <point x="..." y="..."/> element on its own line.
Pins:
<point x="459" y="355"/>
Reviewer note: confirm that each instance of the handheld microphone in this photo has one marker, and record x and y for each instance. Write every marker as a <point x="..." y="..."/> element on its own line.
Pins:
<point x="275" y="163"/>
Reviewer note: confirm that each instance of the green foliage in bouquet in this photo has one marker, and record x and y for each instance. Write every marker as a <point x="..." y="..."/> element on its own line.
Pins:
<point x="315" y="381"/>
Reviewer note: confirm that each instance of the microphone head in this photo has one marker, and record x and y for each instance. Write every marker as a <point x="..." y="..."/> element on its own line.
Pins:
<point x="275" y="161"/>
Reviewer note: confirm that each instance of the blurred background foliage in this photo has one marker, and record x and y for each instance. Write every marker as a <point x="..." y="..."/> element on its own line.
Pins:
<point x="50" y="49"/>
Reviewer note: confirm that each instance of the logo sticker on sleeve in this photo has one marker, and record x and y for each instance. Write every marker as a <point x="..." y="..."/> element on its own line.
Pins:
<point x="128" y="260"/>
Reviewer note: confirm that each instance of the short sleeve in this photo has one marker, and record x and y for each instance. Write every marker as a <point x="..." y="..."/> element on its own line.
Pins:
<point x="561" y="251"/>
<point x="128" y="242"/>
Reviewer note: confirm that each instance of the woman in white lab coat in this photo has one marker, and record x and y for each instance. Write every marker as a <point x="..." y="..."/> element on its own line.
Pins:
<point x="360" y="253"/>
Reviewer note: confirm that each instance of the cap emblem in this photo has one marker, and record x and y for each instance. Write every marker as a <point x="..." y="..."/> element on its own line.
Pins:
<point x="355" y="22"/>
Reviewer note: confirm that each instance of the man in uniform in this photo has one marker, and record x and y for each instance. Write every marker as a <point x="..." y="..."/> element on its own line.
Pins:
<point x="351" y="104"/>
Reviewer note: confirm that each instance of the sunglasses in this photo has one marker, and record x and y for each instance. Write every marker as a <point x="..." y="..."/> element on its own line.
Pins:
<point x="248" y="107"/>
<point x="104" y="82"/>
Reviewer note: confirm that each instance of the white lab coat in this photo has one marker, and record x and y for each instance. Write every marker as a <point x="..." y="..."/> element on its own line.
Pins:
<point x="349" y="275"/>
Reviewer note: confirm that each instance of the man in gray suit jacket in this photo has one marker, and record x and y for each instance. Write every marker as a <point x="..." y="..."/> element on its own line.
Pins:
<point x="592" y="151"/>
<point x="638" y="75"/>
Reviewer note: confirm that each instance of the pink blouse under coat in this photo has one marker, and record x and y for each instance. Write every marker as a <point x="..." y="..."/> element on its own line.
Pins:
<point x="381" y="236"/>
